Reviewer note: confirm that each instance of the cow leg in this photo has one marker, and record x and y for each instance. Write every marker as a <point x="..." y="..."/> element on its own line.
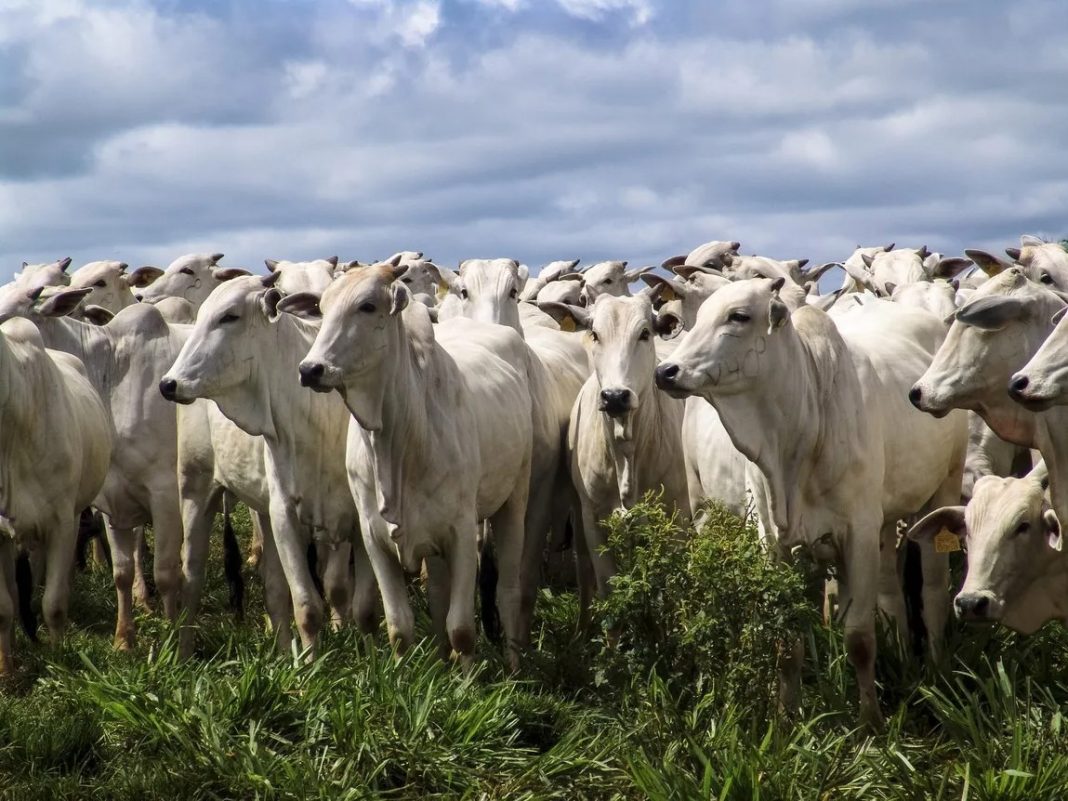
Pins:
<point x="59" y="572"/>
<point x="291" y="540"/>
<point x="587" y="581"/>
<point x="604" y="564"/>
<point x="400" y="623"/>
<point x="255" y="551"/>
<point x="438" y="584"/>
<point x="200" y="503"/>
<point x="337" y="582"/>
<point x="891" y="597"/>
<point x="7" y="603"/>
<point x="365" y="591"/>
<point x="140" y="585"/>
<point x="508" y="529"/>
<point x="935" y="567"/>
<point x="857" y="599"/>
<point x="167" y="562"/>
<point x="463" y="566"/>
<point x="540" y="513"/>
<point x="122" y="542"/>
<point x="276" y="597"/>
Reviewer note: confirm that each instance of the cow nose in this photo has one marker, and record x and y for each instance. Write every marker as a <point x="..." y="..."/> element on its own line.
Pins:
<point x="666" y="375"/>
<point x="139" y="297"/>
<point x="971" y="607"/>
<point x="615" y="401"/>
<point x="311" y="373"/>
<point x="915" y="396"/>
<point x="168" y="388"/>
<point x="1018" y="384"/>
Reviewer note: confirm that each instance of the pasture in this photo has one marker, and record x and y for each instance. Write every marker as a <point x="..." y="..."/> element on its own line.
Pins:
<point x="682" y="707"/>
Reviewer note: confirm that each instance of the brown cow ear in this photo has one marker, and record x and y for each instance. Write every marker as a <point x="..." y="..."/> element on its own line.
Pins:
<point x="570" y="318"/>
<point x="63" y="303"/>
<point x="97" y="315"/>
<point x="229" y="273"/>
<point x="143" y="276"/>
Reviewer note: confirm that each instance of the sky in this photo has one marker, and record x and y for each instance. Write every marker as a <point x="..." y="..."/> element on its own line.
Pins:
<point x="529" y="129"/>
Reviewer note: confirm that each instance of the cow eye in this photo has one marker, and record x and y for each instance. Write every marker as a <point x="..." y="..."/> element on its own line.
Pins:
<point x="593" y="336"/>
<point x="607" y="281"/>
<point x="514" y="293"/>
<point x="186" y="271"/>
<point x="463" y="293"/>
<point x="644" y="335"/>
<point x="101" y="283"/>
<point x="738" y="317"/>
<point x="1045" y="278"/>
<point x="1023" y="528"/>
<point x="229" y="318"/>
<point x="367" y="308"/>
<point x="406" y="280"/>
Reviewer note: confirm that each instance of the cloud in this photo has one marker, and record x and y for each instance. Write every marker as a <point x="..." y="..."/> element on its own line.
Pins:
<point x="588" y="128"/>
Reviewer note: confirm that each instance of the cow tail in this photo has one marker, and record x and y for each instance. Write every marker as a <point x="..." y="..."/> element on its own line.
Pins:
<point x="235" y="579"/>
<point x="24" y="585"/>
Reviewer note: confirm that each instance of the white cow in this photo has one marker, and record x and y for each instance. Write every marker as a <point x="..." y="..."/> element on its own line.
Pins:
<point x="302" y="276"/>
<point x="488" y="290"/>
<point x="243" y="354"/>
<point x="440" y="440"/>
<point x="994" y="334"/>
<point x="549" y="274"/>
<point x="624" y="436"/>
<point x="820" y="411"/>
<point x="1043" y="381"/>
<point x="715" y="254"/>
<point x="30" y="282"/>
<point x="610" y="278"/>
<point x="1017" y="566"/>
<point x="191" y="277"/>
<point x="857" y="276"/>
<point x="108" y="287"/>
<point x="895" y="268"/>
<point x="55" y="444"/>
<point x="1045" y="262"/>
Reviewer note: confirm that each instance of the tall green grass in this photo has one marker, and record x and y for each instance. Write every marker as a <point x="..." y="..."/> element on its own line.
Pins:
<point x="680" y="706"/>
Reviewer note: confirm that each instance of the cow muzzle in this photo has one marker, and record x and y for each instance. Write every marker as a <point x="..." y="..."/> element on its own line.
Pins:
<point x="922" y="401"/>
<point x="312" y="376"/>
<point x="616" y="402"/>
<point x="976" y="607"/>
<point x="1025" y="393"/>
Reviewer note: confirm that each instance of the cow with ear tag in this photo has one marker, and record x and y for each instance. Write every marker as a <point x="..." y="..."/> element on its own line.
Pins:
<point x="440" y="440"/>
<point x="609" y="278"/>
<point x="243" y="355"/>
<point x="837" y="458"/>
<point x="1017" y="564"/>
<point x="624" y="436"/>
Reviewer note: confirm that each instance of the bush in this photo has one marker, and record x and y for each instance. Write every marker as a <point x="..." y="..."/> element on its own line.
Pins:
<point x="706" y="611"/>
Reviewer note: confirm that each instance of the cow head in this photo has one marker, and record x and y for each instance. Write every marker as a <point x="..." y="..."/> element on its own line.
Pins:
<point x="488" y="289"/>
<point x="690" y="288"/>
<point x="107" y="283"/>
<point x="303" y="276"/>
<point x="192" y="277"/>
<point x="29" y="283"/>
<point x="996" y="331"/>
<point x="361" y="330"/>
<point x="1045" y="262"/>
<point x="1043" y="381"/>
<point x="1011" y="535"/>
<point x="229" y="340"/>
<point x="608" y="278"/>
<point x="724" y="353"/>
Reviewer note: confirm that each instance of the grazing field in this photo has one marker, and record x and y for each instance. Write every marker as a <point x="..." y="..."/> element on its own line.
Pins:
<point x="682" y="707"/>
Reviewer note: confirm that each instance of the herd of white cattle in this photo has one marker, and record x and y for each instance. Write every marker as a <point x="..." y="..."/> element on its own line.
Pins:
<point x="399" y="416"/>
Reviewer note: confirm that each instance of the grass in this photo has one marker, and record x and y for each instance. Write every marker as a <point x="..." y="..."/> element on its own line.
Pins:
<point x="682" y="708"/>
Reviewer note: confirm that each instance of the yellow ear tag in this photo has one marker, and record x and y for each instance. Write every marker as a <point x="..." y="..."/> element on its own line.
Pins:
<point x="443" y="290"/>
<point x="946" y="541"/>
<point x="667" y="293"/>
<point x="567" y="324"/>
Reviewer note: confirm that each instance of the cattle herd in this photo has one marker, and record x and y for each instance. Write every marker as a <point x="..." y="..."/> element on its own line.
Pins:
<point x="401" y="417"/>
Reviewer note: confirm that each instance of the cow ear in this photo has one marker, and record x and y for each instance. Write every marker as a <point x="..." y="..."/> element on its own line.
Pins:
<point x="889" y="288"/>
<point x="143" y="276"/>
<point x="272" y="264"/>
<point x="97" y="315"/>
<point x="523" y="274"/>
<point x="949" y="267"/>
<point x="778" y="314"/>
<point x="665" y="288"/>
<point x="332" y="261"/>
<point x="634" y="275"/>
<point x="270" y="280"/>
<point x="991" y="313"/>
<point x="988" y="263"/>
<point x="667" y="324"/>
<point x="269" y="303"/>
<point x="826" y="301"/>
<point x="64" y="264"/>
<point x="229" y="273"/>
<point x="1053" y="530"/>
<point x="570" y="318"/>
<point x="867" y="259"/>
<point x="300" y="304"/>
<point x="398" y="297"/>
<point x="673" y="262"/>
<point x="63" y="303"/>
<point x="950" y="518"/>
<point x="448" y="281"/>
<point x="1059" y="316"/>
<point x="1013" y="253"/>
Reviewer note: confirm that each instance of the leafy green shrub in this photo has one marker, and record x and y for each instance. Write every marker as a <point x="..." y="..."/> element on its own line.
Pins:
<point x="704" y="610"/>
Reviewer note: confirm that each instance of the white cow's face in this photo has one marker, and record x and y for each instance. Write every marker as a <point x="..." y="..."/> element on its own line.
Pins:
<point x="489" y="290"/>
<point x="1010" y="535"/>
<point x="361" y="330"/>
<point x="303" y="276"/>
<point x="17" y="297"/>
<point x="604" y="278"/>
<point x="192" y="277"/>
<point x="421" y="278"/>
<point x="107" y="282"/>
<point x="724" y="353"/>
<point x="894" y="268"/>
<point x="994" y="333"/>
<point x="1043" y="381"/>
<point x="622" y="351"/>
<point x="1046" y="262"/>
<point x="227" y="341"/>
<point x="856" y="265"/>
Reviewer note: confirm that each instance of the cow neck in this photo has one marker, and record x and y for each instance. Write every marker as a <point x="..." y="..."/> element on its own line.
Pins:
<point x="1010" y="421"/>
<point x="785" y="425"/>
<point x="638" y="432"/>
<point x="93" y="344"/>
<point x="1052" y="441"/>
